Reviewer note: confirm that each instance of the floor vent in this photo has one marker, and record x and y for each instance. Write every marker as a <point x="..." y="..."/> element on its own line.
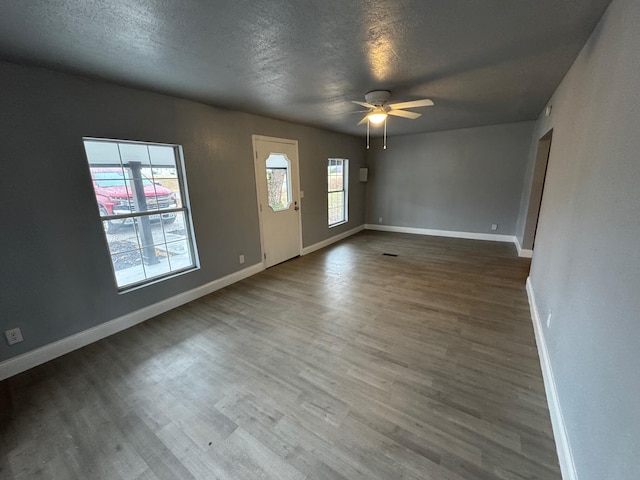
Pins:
<point x="390" y="254"/>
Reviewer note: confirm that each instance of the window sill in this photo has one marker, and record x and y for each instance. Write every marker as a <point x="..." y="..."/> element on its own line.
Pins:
<point x="338" y="224"/>
<point x="152" y="281"/>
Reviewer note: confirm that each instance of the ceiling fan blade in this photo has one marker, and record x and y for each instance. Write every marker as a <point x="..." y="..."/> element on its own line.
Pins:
<point x="364" y="104"/>
<point x="402" y="113"/>
<point x="364" y="120"/>
<point x="425" y="102"/>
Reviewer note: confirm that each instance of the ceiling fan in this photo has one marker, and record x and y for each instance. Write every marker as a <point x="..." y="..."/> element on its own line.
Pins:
<point x="379" y="109"/>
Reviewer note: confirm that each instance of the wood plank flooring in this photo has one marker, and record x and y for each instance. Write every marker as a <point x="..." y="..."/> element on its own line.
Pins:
<point x="343" y="364"/>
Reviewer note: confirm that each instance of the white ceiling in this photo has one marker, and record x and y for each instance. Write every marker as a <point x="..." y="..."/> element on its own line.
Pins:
<point x="482" y="62"/>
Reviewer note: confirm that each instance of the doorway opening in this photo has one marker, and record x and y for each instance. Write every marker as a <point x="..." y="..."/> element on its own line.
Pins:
<point x="537" y="190"/>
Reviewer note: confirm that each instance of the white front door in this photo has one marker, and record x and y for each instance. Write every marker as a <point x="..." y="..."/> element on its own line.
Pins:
<point x="278" y="189"/>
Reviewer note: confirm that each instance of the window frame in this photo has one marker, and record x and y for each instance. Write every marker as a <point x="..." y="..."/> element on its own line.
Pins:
<point x="185" y="209"/>
<point x="344" y="190"/>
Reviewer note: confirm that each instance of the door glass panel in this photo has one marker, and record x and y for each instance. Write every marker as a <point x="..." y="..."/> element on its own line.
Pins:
<point x="278" y="181"/>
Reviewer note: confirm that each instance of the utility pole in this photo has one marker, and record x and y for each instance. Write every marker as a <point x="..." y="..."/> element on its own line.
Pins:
<point x="144" y="223"/>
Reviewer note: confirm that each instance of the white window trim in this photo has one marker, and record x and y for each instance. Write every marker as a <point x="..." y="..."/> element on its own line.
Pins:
<point x="345" y="189"/>
<point x="185" y="209"/>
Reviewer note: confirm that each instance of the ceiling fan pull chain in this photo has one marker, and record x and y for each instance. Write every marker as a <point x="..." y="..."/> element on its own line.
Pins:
<point x="367" y="134"/>
<point x="385" y="134"/>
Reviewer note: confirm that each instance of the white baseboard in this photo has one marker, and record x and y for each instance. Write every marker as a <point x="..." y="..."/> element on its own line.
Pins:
<point x="565" y="457"/>
<point x="523" y="252"/>
<point x="36" y="357"/>
<point x="329" y="241"/>
<point x="494" y="237"/>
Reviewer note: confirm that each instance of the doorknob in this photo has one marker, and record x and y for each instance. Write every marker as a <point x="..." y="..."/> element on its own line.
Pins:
<point x="295" y="206"/>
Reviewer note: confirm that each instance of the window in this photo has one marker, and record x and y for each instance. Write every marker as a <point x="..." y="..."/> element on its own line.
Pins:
<point x="338" y="180"/>
<point x="141" y="197"/>
<point x="278" y="181"/>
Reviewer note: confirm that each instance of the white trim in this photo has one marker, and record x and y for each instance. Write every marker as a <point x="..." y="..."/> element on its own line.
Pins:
<point x="345" y="190"/>
<point x="494" y="237"/>
<point x="275" y="139"/>
<point x="254" y="138"/>
<point x="522" y="252"/>
<point x="36" y="357"/>
<point x="329" y="241"/>
<point x="565" y="456"/>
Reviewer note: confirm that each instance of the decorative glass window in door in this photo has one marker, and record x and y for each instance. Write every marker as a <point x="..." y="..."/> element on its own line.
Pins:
<point x="278" y="181"/>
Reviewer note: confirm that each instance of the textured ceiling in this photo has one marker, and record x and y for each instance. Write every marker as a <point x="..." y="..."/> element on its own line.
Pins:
<point x="482" y="62"/>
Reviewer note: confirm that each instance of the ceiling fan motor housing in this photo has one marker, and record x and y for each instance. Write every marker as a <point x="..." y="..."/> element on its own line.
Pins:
<point x="378" y="97"/>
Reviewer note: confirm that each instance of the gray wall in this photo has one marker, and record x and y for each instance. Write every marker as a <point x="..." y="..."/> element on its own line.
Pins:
<point x="55" y="273"/>
<point x="586" y="263"/>
<point x="460" y="180"/>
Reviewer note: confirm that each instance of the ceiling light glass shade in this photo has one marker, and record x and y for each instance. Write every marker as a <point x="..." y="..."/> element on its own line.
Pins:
<point x="377" y="118"/>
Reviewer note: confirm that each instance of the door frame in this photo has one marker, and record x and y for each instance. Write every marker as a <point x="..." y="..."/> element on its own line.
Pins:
<point x="536" y="195"/>
<point x="295" y="182"/>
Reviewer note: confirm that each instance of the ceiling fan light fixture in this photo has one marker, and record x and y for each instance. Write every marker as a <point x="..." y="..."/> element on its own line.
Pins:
<point x="378" y="109"/>
<point x="377" y="117"/>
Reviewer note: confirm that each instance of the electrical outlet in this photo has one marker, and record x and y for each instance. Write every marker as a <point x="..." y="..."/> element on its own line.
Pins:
<point x="494" y="226"/>
<point x="380" y="220"/>
<point x="13" y="336"/>
<point x="549" y="319"/>
<point x="241" y="259"/>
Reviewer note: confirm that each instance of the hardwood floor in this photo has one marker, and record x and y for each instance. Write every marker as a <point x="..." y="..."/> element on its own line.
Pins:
<point x="343" y="364"/>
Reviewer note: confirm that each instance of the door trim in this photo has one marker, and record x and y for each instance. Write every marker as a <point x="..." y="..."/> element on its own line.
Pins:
<point x="536" y="194"/>
<point x="294" y="178"/>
